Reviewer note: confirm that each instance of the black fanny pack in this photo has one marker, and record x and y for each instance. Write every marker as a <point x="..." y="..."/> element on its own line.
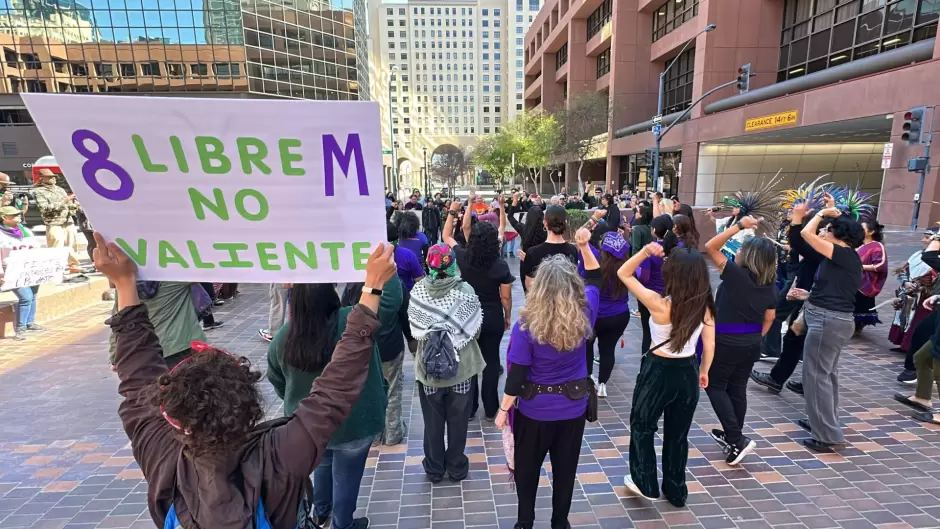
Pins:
<point x="574" y="390"/>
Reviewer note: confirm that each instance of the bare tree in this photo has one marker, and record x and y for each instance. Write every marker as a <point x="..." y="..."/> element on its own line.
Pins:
<point x="583" y="123"/>
<point x="448" y="163"/>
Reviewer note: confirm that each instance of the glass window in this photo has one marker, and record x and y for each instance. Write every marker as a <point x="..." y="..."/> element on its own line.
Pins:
<point x="128" y="69"/>
<point x="671" y="15"/>
<point x="603" y="63"/>
<point x="599" y="18"/>
<point x="199" y="69"/>
<point x="561" y="56"/>
<point x="677" y="85"/>
<point x="840" y="31"/>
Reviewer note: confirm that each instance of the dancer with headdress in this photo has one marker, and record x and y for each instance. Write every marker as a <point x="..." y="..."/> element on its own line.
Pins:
<point x="761" y="203"/>
<point x="808" y="196"/>
<point x="855" y="203"/>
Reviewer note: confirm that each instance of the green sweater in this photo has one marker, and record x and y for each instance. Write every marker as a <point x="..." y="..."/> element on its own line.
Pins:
<point x="292" y="385"/>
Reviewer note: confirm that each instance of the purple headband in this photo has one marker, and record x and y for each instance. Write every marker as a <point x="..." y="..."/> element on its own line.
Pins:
<point x="614" y="244"/>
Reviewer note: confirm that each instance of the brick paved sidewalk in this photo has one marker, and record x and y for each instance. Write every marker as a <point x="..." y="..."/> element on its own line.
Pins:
<point x="65" y="461"/>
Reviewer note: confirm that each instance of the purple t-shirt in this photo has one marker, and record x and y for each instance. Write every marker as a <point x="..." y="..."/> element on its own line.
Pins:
<point x="609" y="306"/>
<point x="409" y="268"/>
<point x="650" y="273"/>
<point x="548" y="366"/>
<point x="415" y="245"/>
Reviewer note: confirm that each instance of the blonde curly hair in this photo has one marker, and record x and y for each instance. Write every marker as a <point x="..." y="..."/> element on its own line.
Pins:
<point x="554" y="312"/>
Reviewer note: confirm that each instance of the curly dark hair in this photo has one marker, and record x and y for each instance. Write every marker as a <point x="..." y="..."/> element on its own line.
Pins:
<point x="483" y="246"/>
<point x="847" y="230"/>
<point x="215" y="399"/>
<point x="408" y="225"/>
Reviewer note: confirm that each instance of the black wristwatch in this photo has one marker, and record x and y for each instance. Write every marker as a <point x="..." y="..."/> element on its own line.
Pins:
<point x="739" y="225"/>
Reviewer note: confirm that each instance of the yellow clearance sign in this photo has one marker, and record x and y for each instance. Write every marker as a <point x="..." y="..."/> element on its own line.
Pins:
<point x="774" y="120"/>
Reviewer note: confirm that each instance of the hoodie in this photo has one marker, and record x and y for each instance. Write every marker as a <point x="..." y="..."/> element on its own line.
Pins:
<point x="221" y="491"/>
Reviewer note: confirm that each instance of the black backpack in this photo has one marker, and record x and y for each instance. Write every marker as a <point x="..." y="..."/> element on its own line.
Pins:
<point x="440" y="359"/>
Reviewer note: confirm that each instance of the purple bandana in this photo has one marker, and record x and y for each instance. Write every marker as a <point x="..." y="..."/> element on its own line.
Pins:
<point x="614" y="244"/>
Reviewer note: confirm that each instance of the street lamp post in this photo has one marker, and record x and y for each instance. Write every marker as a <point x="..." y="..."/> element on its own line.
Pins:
<point x="391" y="130"/>
<point x="427" y="176"/>
<point x="659" y="103"/>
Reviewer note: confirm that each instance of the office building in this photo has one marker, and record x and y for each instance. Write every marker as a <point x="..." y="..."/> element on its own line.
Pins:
<point x="831" y="81"/>
<point x="445" y="73"/>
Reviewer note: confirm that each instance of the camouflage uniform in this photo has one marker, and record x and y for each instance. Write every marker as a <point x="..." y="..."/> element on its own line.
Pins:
<point x="56" y="210"/>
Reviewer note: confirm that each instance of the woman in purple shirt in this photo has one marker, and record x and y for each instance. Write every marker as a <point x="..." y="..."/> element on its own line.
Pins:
<point x="547" y="367"/>
<point x="613" y="314"/>
<point x="650" y="272"/>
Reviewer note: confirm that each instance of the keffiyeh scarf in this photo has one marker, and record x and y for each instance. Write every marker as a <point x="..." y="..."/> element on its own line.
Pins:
<point x="457" y="312"/>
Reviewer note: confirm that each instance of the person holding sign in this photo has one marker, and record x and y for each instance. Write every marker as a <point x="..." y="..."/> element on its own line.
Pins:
<point x="200" y="422"/>
<point x="15" y="236"/>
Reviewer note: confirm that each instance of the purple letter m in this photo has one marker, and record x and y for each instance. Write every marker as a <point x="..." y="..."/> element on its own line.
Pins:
<point x="332" y="151"/>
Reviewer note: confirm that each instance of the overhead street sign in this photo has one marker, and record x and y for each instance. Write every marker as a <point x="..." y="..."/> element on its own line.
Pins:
<point x="657" y="129"/>
<point x="386" y="151"/>
<point x="658" y="119"/>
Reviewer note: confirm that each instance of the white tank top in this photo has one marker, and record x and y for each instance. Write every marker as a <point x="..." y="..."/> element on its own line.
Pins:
<point x="660" y="333"/>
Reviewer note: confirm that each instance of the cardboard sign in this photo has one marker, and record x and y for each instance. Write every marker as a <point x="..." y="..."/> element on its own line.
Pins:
<point x="34" y="266"/>
<point x="215" y="190"/>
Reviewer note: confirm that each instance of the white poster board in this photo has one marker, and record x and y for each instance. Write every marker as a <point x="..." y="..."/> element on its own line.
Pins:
<point x="224" y="190"/>
<point x="34" y="266"/>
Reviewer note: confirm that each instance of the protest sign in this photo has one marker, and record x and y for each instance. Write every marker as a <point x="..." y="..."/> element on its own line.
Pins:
<point x="34" y="266"/>
<point x="224" y="190"/>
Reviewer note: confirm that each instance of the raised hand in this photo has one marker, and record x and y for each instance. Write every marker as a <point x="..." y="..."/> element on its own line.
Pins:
<point x="111" y="261"/>
<point x="381" y="266"/>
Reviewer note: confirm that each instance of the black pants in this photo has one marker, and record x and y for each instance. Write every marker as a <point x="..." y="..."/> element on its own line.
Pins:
<point x="445" y="408"/>
<point x="922" y="334"/>
<point x="491" y="335"/>
<point x="606" y="332"/>
<point x="727" y="387"/>
<point x="790" y="357"/>
<point x="561" y="440"/>
<point x="772" y="342"/>
<point x="645" y="323"/>
<point x="668" y="388"/>
<point x="403" y="315"/>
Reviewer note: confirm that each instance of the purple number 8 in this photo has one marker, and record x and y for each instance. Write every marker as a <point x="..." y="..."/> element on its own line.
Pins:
<point x="98" y="161"/>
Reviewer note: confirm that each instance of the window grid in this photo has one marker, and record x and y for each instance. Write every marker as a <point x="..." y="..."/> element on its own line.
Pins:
<point x="561" y="56"/>
<point x="819" y="35"/>
<point x="599" y="18"/>
<point x="677" y="86"/>
<point x="603" y="63"/>
<point x="671" y="15"/>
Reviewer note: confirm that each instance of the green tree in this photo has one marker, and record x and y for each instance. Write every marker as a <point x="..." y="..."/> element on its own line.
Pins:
<point x="583" y="124"/>
<point x="536" y="137"/>
<point x="493" y="153"/>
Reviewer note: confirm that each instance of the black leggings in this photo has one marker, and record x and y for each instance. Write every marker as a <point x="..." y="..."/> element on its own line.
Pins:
<point x="645" y="323"/>
<point x="561" y="440"/>
<point x="606" y="332"/>
<point x="491" y="335"/>
<point x="922" y="334"/>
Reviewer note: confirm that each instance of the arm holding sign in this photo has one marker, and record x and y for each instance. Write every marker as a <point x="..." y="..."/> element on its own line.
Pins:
<point x="139" y="362"/>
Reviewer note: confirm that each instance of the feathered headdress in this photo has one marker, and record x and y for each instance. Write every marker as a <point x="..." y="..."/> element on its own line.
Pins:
<point x="854" y="202"/>
<point x="808" y="193"/>
<point x="763" y="201"/>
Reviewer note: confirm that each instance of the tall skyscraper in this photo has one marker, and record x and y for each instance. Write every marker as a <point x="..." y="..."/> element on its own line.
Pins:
<point x="445" y="72"/>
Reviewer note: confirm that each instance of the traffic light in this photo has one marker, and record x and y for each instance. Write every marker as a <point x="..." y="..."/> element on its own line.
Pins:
<point x="744" y="78"/>
<point x="650" y="155"/>
<point x="913" y="125"/>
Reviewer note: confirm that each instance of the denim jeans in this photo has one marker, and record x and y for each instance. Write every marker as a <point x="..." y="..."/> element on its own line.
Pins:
<point x="26" y="308"/>
<point x="510" y="247"/>
<point x="336" y="481"/>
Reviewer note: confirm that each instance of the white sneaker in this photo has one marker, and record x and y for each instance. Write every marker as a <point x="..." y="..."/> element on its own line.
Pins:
<point x="633" y="488"/>
<point x="602" y="390"/>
